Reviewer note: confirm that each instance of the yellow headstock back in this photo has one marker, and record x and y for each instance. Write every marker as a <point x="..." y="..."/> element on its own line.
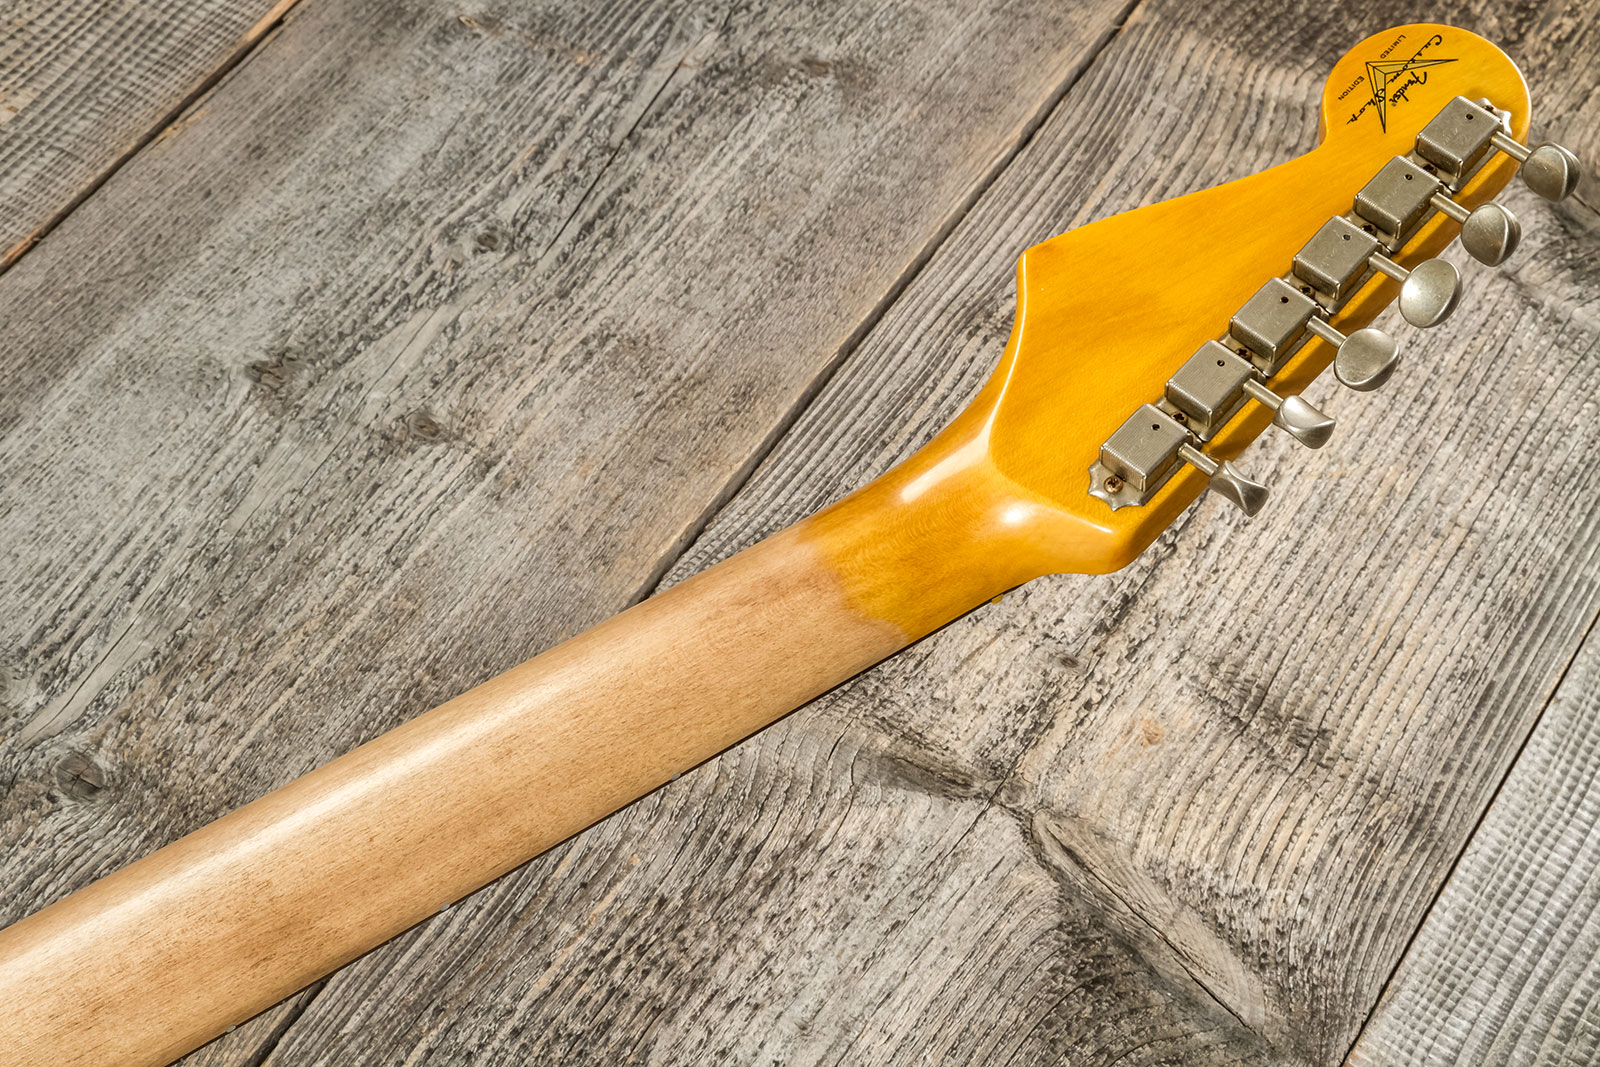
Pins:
<point x="1107" y="312"/>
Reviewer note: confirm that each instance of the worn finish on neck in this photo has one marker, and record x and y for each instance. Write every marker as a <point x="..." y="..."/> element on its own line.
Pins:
<point x="161" y="956"/>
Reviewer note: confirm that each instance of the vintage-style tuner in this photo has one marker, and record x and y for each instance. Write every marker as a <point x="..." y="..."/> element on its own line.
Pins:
<point x="1152" y="387"/>
<point x="1347" y="253"/>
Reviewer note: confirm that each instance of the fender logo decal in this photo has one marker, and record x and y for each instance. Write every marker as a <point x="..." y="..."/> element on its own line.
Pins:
<point x="1391" y="80"/>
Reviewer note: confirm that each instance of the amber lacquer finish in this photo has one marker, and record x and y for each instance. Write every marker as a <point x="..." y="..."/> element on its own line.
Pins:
<point x="1108" y="311"/>
<point x="155" y="959"/>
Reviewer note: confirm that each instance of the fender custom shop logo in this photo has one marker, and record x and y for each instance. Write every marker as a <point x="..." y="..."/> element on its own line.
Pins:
<point x="1391" y="77"/>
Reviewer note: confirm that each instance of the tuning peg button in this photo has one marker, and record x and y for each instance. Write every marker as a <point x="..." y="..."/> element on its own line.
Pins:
<point x="1214" y="383"/>
<point x="1362" y="361"/>
<point x="1244" y="493"/>
<point x="1294" y="415"/>
<point x="1336" y="260"/>
<point x="1549" y="170"/>
<point x="1273" y="323"/>
<point x="1429" y="292"/>
<point x="1489" y="232"/>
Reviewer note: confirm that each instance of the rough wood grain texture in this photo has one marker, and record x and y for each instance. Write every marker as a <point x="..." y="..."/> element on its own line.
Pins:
<point x="1505" y="969"/>
<point x="84" y="83"/>
<point x="1272" y="741"/>
<point x="1233" y="809"/>
<point x="480" y="317"/>
<point x="1154" y="818"/>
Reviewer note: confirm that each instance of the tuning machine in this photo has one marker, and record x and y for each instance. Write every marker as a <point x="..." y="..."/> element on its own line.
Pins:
<point x="1402" y="195"/>
<point x="1461" y="134"/>
<point x="1337" y="259"/>
<point x="1489" y="232"/>
<point x="1450" y="147"/>
<point x="1148" y="449"/>
<point x="1214" y="383"/>
<point x="1363" y="360"/>
<point x="1243" y="493"/>
<point x="1279" y="318"/>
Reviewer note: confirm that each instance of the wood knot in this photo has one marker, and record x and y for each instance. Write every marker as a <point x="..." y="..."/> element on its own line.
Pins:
<point x="80" y="775"/>
<point x="489" y="239"/>
<point x="481" y="23"/>
<point x="421" y="424"/>
<point x="273" y="372"/>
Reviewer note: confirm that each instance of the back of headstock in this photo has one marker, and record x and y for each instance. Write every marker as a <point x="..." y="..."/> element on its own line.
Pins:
<point x="1152" y="347"/>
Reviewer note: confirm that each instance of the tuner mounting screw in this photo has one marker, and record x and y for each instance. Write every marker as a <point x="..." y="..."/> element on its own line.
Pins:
<point x="1113" y="484"/>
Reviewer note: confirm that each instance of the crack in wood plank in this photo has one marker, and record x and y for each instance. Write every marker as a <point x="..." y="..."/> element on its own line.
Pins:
<point x="989" y="936"/>
<point x="1428" y="913"/>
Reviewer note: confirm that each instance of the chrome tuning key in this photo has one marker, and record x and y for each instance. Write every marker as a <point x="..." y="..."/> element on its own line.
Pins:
<point x="1245" y="494"/>
<point x="1277" y="320"/>
<point x="1549" y="170"/>
<point x="1294" y="415"/>
<point x="1147" y="450"/>
<point x="1429" y="291"/>
<point x="1336" y="261"/>
<point x="1457" y="137"/>
<point x="1214" y="383"/>
<point x="1396" y="201"/>
<point x="1272" y="324"/>
<point x="1489" y="232"/>
<point x="1362" y="361"/>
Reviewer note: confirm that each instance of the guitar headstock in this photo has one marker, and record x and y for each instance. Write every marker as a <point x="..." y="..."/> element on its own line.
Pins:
<point x="1151" y="348"/>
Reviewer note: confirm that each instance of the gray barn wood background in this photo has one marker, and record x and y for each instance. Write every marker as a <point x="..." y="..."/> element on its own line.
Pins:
<point x="354" y="351"/>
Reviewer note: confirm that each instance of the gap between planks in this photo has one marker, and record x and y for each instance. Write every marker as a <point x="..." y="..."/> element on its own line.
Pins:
<point x="820" y="381"/>
<point x="1477" y="825"/>
<point x="780" y="429"/>
<point x="253" y="40"/>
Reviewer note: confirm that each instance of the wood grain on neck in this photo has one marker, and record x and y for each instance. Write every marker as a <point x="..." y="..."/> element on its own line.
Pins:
<point x="244" y="911"/>
<point x="159" y="957"/>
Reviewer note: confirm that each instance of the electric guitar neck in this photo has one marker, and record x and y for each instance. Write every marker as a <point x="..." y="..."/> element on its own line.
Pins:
<point x="1149" y="350"/>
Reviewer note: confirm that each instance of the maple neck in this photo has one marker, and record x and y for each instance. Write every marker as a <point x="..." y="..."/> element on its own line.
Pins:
<point x="163" y="955"/>
<point x="1063" y="462"/>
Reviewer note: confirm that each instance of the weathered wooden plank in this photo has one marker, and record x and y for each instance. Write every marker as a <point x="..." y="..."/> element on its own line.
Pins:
<point x="1507" y="967"/>
<point x="476" y="322"/>
<point x="84" y="83"/>
<point x="768" y="914"/>
<point x="1216" y="782"/>
<point x="1269" y="738"/>
<point x="782" y="945"/>
<point x="1234" y="777"/>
